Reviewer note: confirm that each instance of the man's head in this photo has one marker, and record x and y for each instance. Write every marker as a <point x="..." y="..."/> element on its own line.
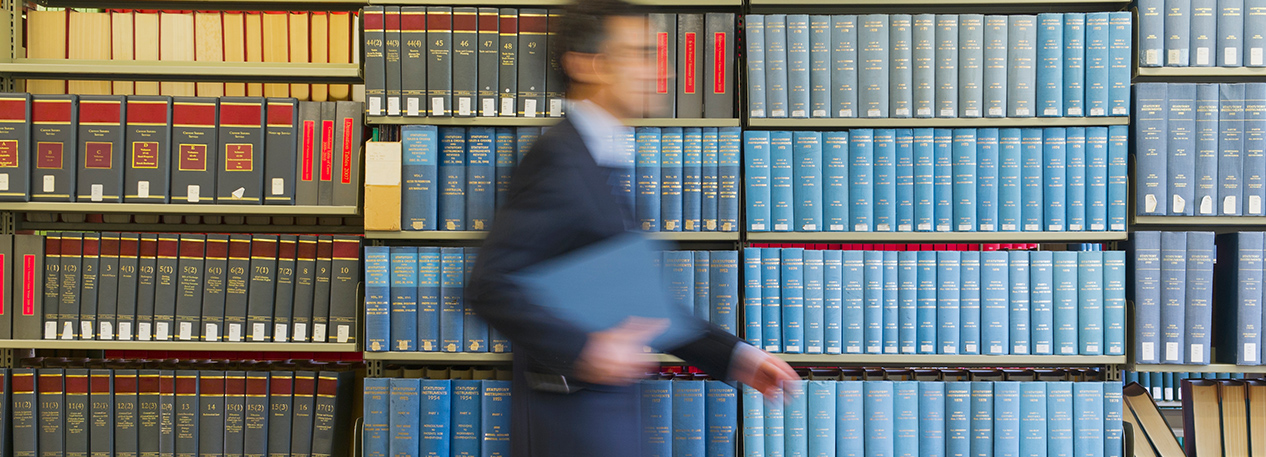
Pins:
<point x="606" y="55"/>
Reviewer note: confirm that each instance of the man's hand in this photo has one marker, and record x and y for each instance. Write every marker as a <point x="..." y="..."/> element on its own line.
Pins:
<point x="618" y="356"/>
<point x="762" y="371"/>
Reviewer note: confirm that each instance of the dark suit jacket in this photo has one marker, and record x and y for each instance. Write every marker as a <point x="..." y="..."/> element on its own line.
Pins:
<point x="561" y="200"/>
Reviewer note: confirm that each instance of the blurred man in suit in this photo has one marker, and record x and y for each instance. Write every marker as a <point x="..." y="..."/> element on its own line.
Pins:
<point x="575" y="393"/>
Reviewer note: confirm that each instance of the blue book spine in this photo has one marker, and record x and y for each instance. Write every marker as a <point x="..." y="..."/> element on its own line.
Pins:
<point x="820" y="66"/>
<point x="995" y="74"/>
<point x="775" y="426"/>
<point x="688" y="419"/>
<point x="1074" y="64"/>
<point x="1097" y="27"/>
<point x="691" y="179"/>
<point x="861" y="179"/>
<point x="776" y="75"/>
<point x="971" y="56"/>
<point x="891" y="307"/>
<point x="452" y="299"/>
<point x="821" y="399"/>
<point x="781" y="178"/>
<point x="792" y="275"/>
<point x="905" y="180"/>
<point x="900" y="72"/>
<point x="924" y="187"/>
<point x="1009" y="180"/>
<point x="721" y="419"/>
<point x="1114" y="303"/>
<point x="796" y="418"/>
<point x="753" y="422"/>
<point x="835" y="181"/>
<point x="504" y="149"/>
<point x="873" y="65"/>
<point x="709" y="179"/>
<point x="1096" y="179"/>
<point x="679" y="276"/>
<point x="467" y="404"/>
<point x="1254" y="38"/>
<point x="404" y="298"/>
<point x="814" y="317"/>
<point x="854" y="301"/>
<point x="404" y="416"/>
<point x="986" y="179"/>
<point x="1150" y="152"/>
<point x="481" y="175"/>
<point x="1022" y="60"/>
<point x="1019" y="309"/>
<point x="1204" y="32"/>
<point x="965" y="183"/>
<point x="1032" y="184"/>
<point x="648" y="172"/>
<point x="969" y="303"/>
<point x="524" y="137"/>
<point x="924" y="58"/>
<point x="1050" y="58"/>
<point x="907" y="302"/>
<point x="377" y="298"/>
<point x="926" y="311"/>
<point x="429" y="298"/>
<point x="495" y="418"/>
<point x="657" y="417"/>
<point x="1254" y="173"/>
<point x="1118" y="176"/>
<point x="1146" y="267"/>
<point x="943" y="179"/>
<point x="851" y="420"/>
<point x="771" y="298"/>
<point x="1120" y="40"/>
<point x="723" y="290"/>
<point x="1054" y="173"/>
<point x="948" y="275"/>
<point x="670" y="168"/>
<point x="475" y="331"/>
<point x="376" y="435"/>
<point x="905" y="423"/>
<point x="1033" y="419"/>
<point x="885" y="184"/>
<point x="844" y="65"/>
<point x="752" y="297"/>
<point x="1178" y="39"/>
<point x="1173" y="295"/>
<point x="1041" y="301"/>
<point x="754" y="30"/>
<point x="1113" y="433"/>
<point x="873" y="296"/>
<point x="1231" y="145"/>
<point x="946" y="76"/>
<point x="932" y="419"/>
<point x="879" y="418"/>
<point x="833" y="301"/>
<point x="1199" y="297"/>
<point x="420" y="196"/>
<point x="701" y="292"/>
<point x="1151" y="34"/>
<point x="982" y="419"/>
<point x="798" y="65"/>
<point x="756" y="181"/>
<point x="1090" y="302"/>
<point x="1181" y="144"/>
<point x="995" y="307"/>
<point x="807" y="176"/>
<point x="1240" y="298"/>
<point x="1059" y="423"/>
<point x="1088" y="418"/>
<point x="1075" y="179"/>
<point x="452" y="170"/>
<point x="729" y="146"/>
<point x="957" y="418"/>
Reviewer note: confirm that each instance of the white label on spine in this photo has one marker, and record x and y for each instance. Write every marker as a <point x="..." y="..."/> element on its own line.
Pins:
<point x="463" y="106"/>
<point x="1255" y="205"/>
<point x="143" y="331"/>
<point x="836" y="228"/>
<point x="50" y="183"/>
<point x="887" y="350"/>
<point x="1068" y="350"/>
<point x="869" y="350"/>
<point x="279" y="186"/>
<point x="529" y="107"/>
<point x="1118" y="227"/>
<point x="1032" y="227"/>
<point x="489" y="107"/>
<point x="235" y="332"/>
<point x="318" y="333"/>
<point x="142" y="189"/>
<point x="393" y="106"/>
<point x="947" y="113"/>
<point x="1042" y="348"/>
<point x="1174" y="56"/>
<point x="968" y="348"/>
<point x="1229" y="206"/>
<point x="555" y="107"/>
<point x="902" y="112"/>
<point x="238" y="193"/>
<point x="861" y="227"/>
<point x="162" y="331"/>
<point x="507" y="106"/>
<point x="1149" y="203"/>
<point x="985" y="227"/>
<point x="996" y="112"/>
<point x="925" y="227"/>
<point x="411" y="106"/>
<point x="926" y="349"/>
<point x="96" y="192"/>
<point x="1008" y="227"/>
<point x="949" y="349"/>
<point x="778" y="113"/>
<point x="301" y="332"/>
<point x="437" y="107"/>
<point x="1250" y="352"/>
<point x="810" y="227"/>
<point x="1152" y="56"/>
<point x="761" y="113"/>
<point x="186" y="331"/>
<point x="1172" y="352"/>
<point x="85" y="330"/>
<point x="971" y="113"/>
<point x="194" y="193"/>
<point x="822" y="113"/>
<point x="343" y="334"/>
<point x="758" y="227"/>
<point x="1055" y="228"/>
<point x="1097" y="112"/>
<point x="1206" y="205"/>
<point x="1149" y="352"/>
<point x="125" y="331"/>
<point x="964" y="227"/>
<point x="781" y="227"/>
<point x="1119" y="111"/>
<point x="801" y="113"/>
<point x="1096" y="227"/>
<point x="832" y="350"/>
<point x="924" y="112"/>
<point x="903" y="227"/>
<point x="771" y="348"/>
<point x="883" y="228"/>
<point x="211" y="332"/>
<point x="375" y="106"/>
<point x="1197" y="353"/>
<point x="995" y="349"/>
<point x="68" y="331"/>
<point x="942" y="227"/>
<point x="1050" y="112"/>
<point x="1020" y="349"/>
<point x="1232" y="56"/>
<point x="1255" y="56"/>
<point x="1074" y="227"/>
<point x="4" y="181"/>
<point x="257" y="331"/>
<point x="1022" y="112"/>
<point x="1202" y="56"/>
<point x="280" y="333"/>
<point x="1074" y="111"/>
<point x="107" y="331"/>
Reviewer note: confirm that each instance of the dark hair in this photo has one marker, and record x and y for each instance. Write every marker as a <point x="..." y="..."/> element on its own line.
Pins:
<point x="584" y="28"/>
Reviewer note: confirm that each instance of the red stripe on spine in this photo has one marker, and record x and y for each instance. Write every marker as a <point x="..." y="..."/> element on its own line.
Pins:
<point x="199" y="115"/>
<point x="100" y="112"/>
<point x="246" y="114"/>
<point x="147" y="113"/>
<point x="13" y="110"/>
<point x="51" y="111"/>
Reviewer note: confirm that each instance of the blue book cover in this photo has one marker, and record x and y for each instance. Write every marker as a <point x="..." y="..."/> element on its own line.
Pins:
<point x="1239" y="297"/>
<point x="821" y="403"/>
<point x="982" y="419"/>
<point x="657" y="417"/>
<point x="986" y="179"/>
<point x="900" y="71"/>
<point x="405" y="416"/>
<point x="723" y="288"/>
<point x="932" y="419"/>
<point x="1096" y="179"/>
<point x="781" y="178"/>
<point x="752" y="297"/>
<point x="626" y="177"/>
<point x="1097" y="83"/>
<point x="943" y="179"/>
<point x="861" y="179"/>
<point x="504" y="149"/>
<point x="905" y="180"/>
<point x="452" y="170"/>
<point x="795" y="418"/>
<point x="1074" y="64"/>
<point x="1231" y="145"/>
<point x="1050" y="61"/>
<point x="884" y="179"/>
<point x="1075" y="179"/>
<point x="754" y="30"/>
<point x="792" y="276"/>
<point x="844" y="65"/>
<point x="1041" y="301"/>
<point x="689" y="411"/>
<point x="776" y="75"/>
<point x="995" y="303"/>
<point x="771" y="298"/>
<point x="835" y="181"/>
<point x="1114" y="303"/>
<point x="1113" y="433"/>
<point x="873" y="65"/>
<point x="729" y="146"/>
<point x="1054" y="174"/>
<point x="670" y="169"/>
<point x="648" y="173"/>
<point x="1254" y="12"/>
<point x="1120" y="40"/>
<point x="481" y="173"/>
<point x="873" y="296"/>
<point x="946" y="76"/>
<point x="1090" y="302"/>
<point x="907" y="301"/>
<point x="378" y="299"/>
<point x="957" y="418"/>
<point x="1204" y="32"/>
<point x="814" y="318"/>
<point x="721" y="419"/>
<point x="1173" y="295"/>
<point x="948" y="275"/>
<point x="1181" y="144"/>
<point x="880" y="418"/>
<point x="701" y="299"/>
<point x="833" y="301"/>
<point x="1177" y="19"/>
<point x="1059" y="422"/>
<point x="1151" y="34"/>
<point x="775" y="440"/>
<point x="1254" y="173"/>
<point x="1032" y="184"/>
<point x="798" y="65"/>
<point x="905" y="423"/>
<point x="971" y="57"/>
<point x="428" y="310"/>
<point x="679" y="277"/>
<point x="1199" y="297"/>
<point x="1019" y="309"/>
<point x="452" y="299"/>
<point x="924" y="187"/>
<point x="419" y="196"/>
<point x="709" y="179"/>
<point x="466" y="409"/>
<point x="926" y="311"/>
<point x="1150" y="152"/>
<point x="807" y="176"/>
<point x="1033" y="419"/>
<point x="495" y="418"/>
<point x="1022" y="61"/>
<point x="964" y="188"/>
<point x="524" y="137"/>
<point x="923" y="56"/>
<point x="1088" y="418"/>
<point x="891" y="307"/>
<point x="1009" y="179"/>
<point x="753" y="422"/>
<point x="1146" y="268"/>
<point x="376" y="430"/>
<point x="995" y="74"/>
<point x="1118" y="176"/>
<point x="854" y="301"/>
<point x="756" y="181"/>
<point x="404" y="298"/>
<point x="692" y="179"/>
<point x="851" y="420"/>
<point x="1065" y="301"/>
<point x="820" y="66"/>
<point x="969" y="303"/>
<point x="475" y="331"/>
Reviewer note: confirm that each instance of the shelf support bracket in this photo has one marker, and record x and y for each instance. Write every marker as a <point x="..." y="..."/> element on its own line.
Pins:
<point x="8" y="223"/>
<point x="373" y="368"/>
<point x="1112" y="372"/>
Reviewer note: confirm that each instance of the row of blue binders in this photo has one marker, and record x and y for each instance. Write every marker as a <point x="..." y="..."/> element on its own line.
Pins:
<point x="913" y="418"/>
<point x="436" y="417"/>
<point x="1168" y="386"/>
<point x="938" y="65"/>
<point x="706" y="283"/>
<point x="1173" y="298"/>
<point x="964" y="180"/>
<point x="929" y="302"/>
<point x="1202" y="33"/>
<point x="1239" y="296"/>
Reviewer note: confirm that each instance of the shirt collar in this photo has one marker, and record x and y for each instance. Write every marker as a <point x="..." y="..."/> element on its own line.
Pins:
<point x="602" y="133"/>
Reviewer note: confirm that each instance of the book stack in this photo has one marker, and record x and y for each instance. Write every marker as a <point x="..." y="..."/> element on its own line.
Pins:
<point x="1201" y="33"/>
<point x="1223" y="417"/>
<point x="826" y="417"/>
<point x="441" y="417"/>
<point x="186" y="287"/>
<point x="706" y="283"/>
<point x="813" y="301"/>
<point x="1168" y="386"/>
<point x="203" y="36"/>
<point x="1238" y="308"/>
<point x="174" y="407"/>
<point x="1173" y="296"/>
<point x="159" y="149"/>
<point x="454" y="178"/>
<point x="923" y="180"/>
<point x="938" y="65"/>
<point x="443" y="61"/>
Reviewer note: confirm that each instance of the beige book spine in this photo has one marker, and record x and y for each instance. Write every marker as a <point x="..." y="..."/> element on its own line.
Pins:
<point x="1257" y="417"/>
<point x="89" y="40"/>
<point x="46" y="40"/>
<point x="299" y="41"/>
<point x="254" y="48"/>
<point x="234" y="48"/>
<point x="209" y="47"/>
<point x="275" y="39"/>
<point x="145" y="47"/>
<point x="340" y="42"/>
<point x="176" y="31"/>
<point x="121" y="47"/>
<point x="320" y="26"/>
